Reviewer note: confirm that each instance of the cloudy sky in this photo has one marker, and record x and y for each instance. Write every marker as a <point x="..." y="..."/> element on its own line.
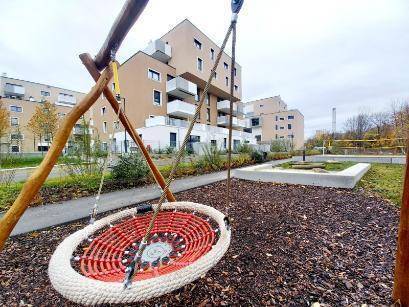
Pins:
<point x="316" y="54"/>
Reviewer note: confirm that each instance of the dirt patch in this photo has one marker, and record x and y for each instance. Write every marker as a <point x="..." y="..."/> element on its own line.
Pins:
<point x="291" y="245"/>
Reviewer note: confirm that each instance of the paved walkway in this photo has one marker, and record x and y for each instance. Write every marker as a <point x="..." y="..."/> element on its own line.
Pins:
<point x="54" y="214"/>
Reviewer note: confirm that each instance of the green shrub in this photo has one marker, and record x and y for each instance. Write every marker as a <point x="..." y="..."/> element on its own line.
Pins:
<point x="212" y="158"/>
<point x="278" y="156"/>
<point x="130" y="167"/>
<point x="242" y="159"/>
<point x="257" y="156"/>
<point x="244" y="148"/>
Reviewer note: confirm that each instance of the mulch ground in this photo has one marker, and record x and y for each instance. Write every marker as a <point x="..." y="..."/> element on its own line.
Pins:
<point x="292" y="245"/>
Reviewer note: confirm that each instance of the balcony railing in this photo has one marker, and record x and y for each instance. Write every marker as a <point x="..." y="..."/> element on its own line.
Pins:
<point x="236" y="123"/>
<point x="159" y="50"/>
<point x="14" y="90"/>
<point x="181" y="108"/>
<point x="181" y="88"/>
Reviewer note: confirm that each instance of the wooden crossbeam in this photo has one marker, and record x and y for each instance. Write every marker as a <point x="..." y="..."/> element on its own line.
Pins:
<point x="36" y="180"/>
<point x="92" y="69"/>
<point x="130" y="12"/>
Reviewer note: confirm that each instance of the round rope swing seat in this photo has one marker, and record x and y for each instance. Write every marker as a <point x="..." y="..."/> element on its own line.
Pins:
<point x="187" y="240"/>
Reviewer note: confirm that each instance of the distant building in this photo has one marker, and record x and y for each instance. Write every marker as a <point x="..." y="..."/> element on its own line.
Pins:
<point x="21" y="97"/>
<point x="269" y="119"/>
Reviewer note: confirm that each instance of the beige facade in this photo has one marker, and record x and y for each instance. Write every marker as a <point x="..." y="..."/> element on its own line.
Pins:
<point x="21" y="98"/>
<point x="186" y="54"/>
<point x="270" y="119"/>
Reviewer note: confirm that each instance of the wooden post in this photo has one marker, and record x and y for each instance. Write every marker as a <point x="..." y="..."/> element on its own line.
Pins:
<point x="401" y="282"/>
<point x="92" y="69"/>
<point x="36" y="180"/>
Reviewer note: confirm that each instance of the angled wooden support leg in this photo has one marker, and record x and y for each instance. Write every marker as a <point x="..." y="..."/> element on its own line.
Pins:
<point x="36" y="180"/>
<point x="401" y="282"/>
<point x="92" y="69"/>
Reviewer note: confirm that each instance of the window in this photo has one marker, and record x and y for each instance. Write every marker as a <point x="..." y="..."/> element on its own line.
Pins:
<point x="236" y="144"/>
<point x="226" y="66"/>
<point x="255" y="122"/>
<point x="197" y="96"/>
<point x="157" y="98"/>
<point x="104" y="127"/>
<point x="215" y="75"/>
<point x="208" y="115"/>
<point x="227" y="81"/>
<point x="198" y="44"/>
<point x="236" y="88"/>
<point x="212" y="54"/>
<point x="276" y="118"/>
<point x="17" y="109"/>
<point x="258" y="138"/>
<point x="213" y="143"/>
<point x="290" y="116"/>
<point x="208" y="99"/>
<point x="66" y="98"/>
<point x="199" y="64"/>
<point x="170" y="77"/>
<point x="235" y="71"/>
<point x="31" y="98"/>
<point x="16" y="136"/>
<point x="276" y="127"/>
<point x="116" y="125"/>
<point x="291" y="136"/>
<point x="45" y="93"/>
<point x="281" y="118"/>
<point x="60" y="114"/>
<point x="153" y="75"/>
<point x="282" y="128"/>
<point x="15" y="148"/>
<point x="289" y="127"/>
<point x="103" y="110"/>
<point x="14" y="121"/>
<point x="104" y="146"/>
<point x="172" y="139"/>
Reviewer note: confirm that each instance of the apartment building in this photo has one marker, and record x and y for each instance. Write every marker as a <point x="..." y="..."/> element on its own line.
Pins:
<point x="270" y="119"/>
<point x="21" y="98"/>
<point x="161" y="86"/>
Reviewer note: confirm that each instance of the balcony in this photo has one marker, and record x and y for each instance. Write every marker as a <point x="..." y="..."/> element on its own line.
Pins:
<point x="81" y="130"/>
<point x="180" y="108"/>
<point x="224" y="106"/>
<point x="181" y="88"/>
<point x="165" y="121"/>
<point x="159" y="50"/>
<point x="237" y="123"/>
<point x="14" y="90"/>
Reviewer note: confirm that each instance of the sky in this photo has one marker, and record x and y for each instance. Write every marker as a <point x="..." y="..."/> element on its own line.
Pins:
<point x="315" y="54"/>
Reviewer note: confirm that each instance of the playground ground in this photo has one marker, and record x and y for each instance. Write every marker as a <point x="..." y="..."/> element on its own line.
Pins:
<point x="291" y="245"/>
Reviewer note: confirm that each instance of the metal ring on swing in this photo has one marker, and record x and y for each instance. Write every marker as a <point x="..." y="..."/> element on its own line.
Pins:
<point x="182" y="248"/>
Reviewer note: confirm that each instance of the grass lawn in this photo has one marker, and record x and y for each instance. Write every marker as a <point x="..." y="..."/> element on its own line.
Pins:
<point x="17" y="162"/>
<point x="385" y="180"/>
<point x="328" y="166"/>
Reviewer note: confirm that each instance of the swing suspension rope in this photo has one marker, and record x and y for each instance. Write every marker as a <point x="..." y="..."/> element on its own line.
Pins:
<point x="117" y="91"/>
<point x="135" y="264"/>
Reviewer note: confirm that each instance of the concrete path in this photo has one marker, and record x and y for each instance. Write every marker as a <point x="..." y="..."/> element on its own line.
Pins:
<point x="21" y="174"/>
<point x="54" y="214"/>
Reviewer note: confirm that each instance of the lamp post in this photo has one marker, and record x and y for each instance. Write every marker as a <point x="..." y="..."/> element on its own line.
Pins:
<point x="125" y="144"/>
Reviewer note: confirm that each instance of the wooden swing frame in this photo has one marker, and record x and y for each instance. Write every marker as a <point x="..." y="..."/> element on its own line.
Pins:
<point x="130" y="12"/>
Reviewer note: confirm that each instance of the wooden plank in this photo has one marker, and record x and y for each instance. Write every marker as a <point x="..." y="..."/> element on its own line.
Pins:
<point x="92" y="69"/>
<point x="130" y="12"/>
<point x="36" y="180"/>
<point x="401" y="282"/>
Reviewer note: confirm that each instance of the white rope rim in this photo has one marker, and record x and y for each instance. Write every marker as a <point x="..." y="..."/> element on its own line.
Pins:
<point x="80" y="289"/>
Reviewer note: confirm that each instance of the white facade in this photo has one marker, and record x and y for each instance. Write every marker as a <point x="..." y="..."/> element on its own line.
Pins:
<point x="162" y="132"/>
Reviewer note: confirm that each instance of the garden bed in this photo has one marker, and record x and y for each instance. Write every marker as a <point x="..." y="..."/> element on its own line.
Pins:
<point x="291" y="245"/>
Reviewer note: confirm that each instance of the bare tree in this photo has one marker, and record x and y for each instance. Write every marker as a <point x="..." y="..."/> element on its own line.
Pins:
<point x="358" y="125"/>
<point x="380" y="121"/>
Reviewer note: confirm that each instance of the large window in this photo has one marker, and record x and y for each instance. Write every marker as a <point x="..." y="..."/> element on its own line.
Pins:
<point x="197" y="44"/>
<point x="172" y="139"/>
<point x="290" y="126"/>
<point x="226" y="66"/>
<point x="157" y="98"/>
<point x="227" y="81"/>
<point x="17" y="109"/>
<point x="16" y="136"/>
<point x="197" y="96"/>
<point x="290" y="116"/>
<point x="104" y="127"/>
<point x="66" y="98"/>
<point x="236" y="88"/>
<point x="258" y="138"/>
<point x="208" y="115"/>
<point x="208" y="99"/>
<point x="45" y="93"/>
<point x="153" y="75"/>
<point x="199" y="64"/>
<point x="15" y="148"/>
